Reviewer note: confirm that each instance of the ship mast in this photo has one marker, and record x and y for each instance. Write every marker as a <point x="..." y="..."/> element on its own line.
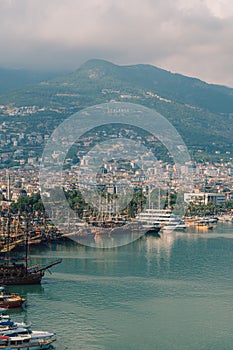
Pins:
<point x="26" y="243"/>
<point x="8" y="224"/>
<point x="8" y="186"/>
<point x="8" y="234"/>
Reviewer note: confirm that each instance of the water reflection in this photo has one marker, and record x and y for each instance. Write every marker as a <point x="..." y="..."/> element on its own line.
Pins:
<point x="158" y="249"/>
<point x="27" y="290"/>
<point x="161" y="249"/>
<point x="108" y="238"/>
<point x="81" y="259"/>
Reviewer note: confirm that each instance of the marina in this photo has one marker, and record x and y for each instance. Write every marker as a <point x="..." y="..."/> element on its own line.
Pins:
<point x="131" y="296"/>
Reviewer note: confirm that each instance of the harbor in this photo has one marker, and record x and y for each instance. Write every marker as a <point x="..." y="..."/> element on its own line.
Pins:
<point x="111" y="276"/>
<point x="148" y="265"/>
<point x="92" y="301"/>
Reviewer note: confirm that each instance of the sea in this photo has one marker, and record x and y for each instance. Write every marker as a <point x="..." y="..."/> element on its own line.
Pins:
<point x="169" y="293"/>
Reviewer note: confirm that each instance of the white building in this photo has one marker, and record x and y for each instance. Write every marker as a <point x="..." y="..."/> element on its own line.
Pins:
<point x="205" y="198"/>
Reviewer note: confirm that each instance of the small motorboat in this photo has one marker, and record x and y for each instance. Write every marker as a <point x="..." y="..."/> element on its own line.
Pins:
<point x="6" y="325"/>
<point x="10" y="300"/>
<point x="204" y="224"/>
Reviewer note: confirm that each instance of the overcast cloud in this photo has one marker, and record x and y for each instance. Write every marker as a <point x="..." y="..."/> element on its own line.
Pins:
<point x="192" y="37"/>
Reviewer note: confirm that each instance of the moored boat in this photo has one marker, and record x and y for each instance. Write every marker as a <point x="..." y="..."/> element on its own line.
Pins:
<point x="161" y="219"/>
<point x="10" y="300"/>
<point x="20" y="274"/>
<point x="204" y="224"/>
<point x="35" y="335"/>
<point x="7" y="324"/>
<point x="24" y="342"/>
<point x="176" y="226"/>
<point x="15" y="335"/>
<point x="14" y="272"/>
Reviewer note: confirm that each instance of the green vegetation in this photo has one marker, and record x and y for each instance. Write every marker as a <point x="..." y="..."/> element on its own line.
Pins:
<point x="202" y="113"/>
<point x="208" y="209"/>
<point x="28" y="204"/>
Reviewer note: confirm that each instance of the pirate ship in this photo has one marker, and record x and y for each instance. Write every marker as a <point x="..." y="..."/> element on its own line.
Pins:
<point x="16" y="270"/>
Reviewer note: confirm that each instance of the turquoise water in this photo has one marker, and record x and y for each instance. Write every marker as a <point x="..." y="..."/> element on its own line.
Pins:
<point x="170" y="293"/>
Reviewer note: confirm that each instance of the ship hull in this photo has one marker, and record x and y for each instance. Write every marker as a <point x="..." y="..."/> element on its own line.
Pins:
<point x="153" y="231"/>
<point x="19" y="274"/>
<point x="11" y="304"/>
<point x="25" y="280"/>
<point x="14" y="274"/>
<point x="16" y="343"/>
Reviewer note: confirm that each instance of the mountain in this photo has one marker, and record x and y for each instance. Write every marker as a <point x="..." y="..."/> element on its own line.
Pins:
<point x="12" y="79"/>
<point x="201" y="112"/>
<point x="176" y="87"/>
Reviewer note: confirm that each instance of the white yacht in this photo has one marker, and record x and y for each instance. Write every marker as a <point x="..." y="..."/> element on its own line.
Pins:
<point x="35" y="335"/>
<point x="163" y="218"/>
<point x="23" y="342"/>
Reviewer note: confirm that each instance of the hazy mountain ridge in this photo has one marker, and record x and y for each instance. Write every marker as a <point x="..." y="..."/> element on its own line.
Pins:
<point x="177" y="87"/>
<point x="12" y="79"/>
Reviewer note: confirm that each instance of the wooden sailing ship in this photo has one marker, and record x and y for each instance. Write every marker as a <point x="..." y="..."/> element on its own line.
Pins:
<point x="21" y="274"/>
<point x="14" y="272"/>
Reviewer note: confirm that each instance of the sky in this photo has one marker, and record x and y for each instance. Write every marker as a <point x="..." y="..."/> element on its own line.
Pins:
<point x="191" y="37"/>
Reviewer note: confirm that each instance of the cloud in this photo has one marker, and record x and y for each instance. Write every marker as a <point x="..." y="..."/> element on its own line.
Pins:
<point x="192" y="37"/>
